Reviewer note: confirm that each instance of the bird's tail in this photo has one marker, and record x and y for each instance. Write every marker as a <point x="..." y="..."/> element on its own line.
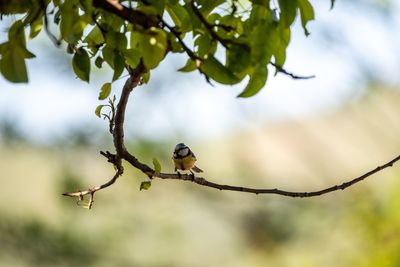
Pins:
<point x="197" y="169"/>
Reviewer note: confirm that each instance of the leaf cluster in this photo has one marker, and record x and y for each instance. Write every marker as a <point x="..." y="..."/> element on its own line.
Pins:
<point x="231" y="39"/>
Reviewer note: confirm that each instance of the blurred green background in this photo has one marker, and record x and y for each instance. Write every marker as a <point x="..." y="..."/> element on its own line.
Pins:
<point x="321" y="132"/>
<point x="181" y="224"/>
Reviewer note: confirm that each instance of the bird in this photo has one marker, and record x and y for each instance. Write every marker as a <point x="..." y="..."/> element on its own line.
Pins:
<point x="184" y="159"/>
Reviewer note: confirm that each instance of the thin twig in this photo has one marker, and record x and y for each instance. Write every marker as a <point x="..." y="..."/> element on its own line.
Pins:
<point x="112" y="117"/>
<point x="294" y="76"/>
<point x="80" y="194"/>
<point x="198" y="61"/>
<point x="53" y="38"/>
<point x="177" y="34"/>
<point x="209" y="27"/>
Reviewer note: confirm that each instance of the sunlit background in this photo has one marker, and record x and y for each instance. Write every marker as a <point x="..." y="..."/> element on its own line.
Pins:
<point x="294" y="135"/>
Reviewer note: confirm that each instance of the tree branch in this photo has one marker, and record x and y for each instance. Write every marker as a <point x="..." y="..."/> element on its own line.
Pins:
<point x="134" y="80"/>
<point x="118" y="137"/>
<point x="128" y="14"/>
<point x="122" y="153"/>
<point x="203" y="182"/>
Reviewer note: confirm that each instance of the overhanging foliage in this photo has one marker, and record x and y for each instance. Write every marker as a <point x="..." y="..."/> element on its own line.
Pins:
<point x="231" y="39"/>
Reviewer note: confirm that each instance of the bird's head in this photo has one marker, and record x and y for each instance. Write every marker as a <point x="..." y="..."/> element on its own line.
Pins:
<point x="180" y="146"/>
<point x="181" y="150"/>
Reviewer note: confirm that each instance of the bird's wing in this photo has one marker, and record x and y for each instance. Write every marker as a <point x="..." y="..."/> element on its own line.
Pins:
<point x="197" y="169"/>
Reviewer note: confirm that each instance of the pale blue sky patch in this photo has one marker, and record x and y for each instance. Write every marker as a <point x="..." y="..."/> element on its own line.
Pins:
<point x="176" y="105"/>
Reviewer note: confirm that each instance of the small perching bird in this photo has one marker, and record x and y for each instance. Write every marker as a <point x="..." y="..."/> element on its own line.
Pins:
<point x="184" y="159"/>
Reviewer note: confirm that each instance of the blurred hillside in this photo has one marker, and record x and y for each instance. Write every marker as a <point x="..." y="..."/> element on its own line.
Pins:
<point x="182" y="224"/>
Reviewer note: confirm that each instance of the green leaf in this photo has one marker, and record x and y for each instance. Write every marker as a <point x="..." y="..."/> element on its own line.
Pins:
<point x="71" y="25"/>
<point x="81" y="64"/>
<point x="145" y="185"/>
<point x="132" y="57"/>
<point x="159" y="5"/>
<point x="205" y="45"/>
<point x="174" y="45"/>
<point x="115" y="60"/>
<point x="218" y="72"/>
<point x="238" y="60"/>
<point x="119" y="65"/>
<point x="261" y="2"/>
<point x="189" y="66"/>
<point x="180" y="17"/>
<point x="231" y="21"/>
<point x="105" y="91"/>
<point x="288" y="11"/>
<point x="197" y="25"/>
<point x="13" y="54"/>
<point x="12" y="65"/>
<point x="135" y="40"/>
<point x="15" y="7"/>
<point x="35" y="27"/>
<point x="16" y="36"/>
<point x="153" y="7"/>
<point x="98" y="110"/>
<point x="70" y="49"/>
<point x="261" y="50"/>
<point x="146" y="77"/>
<point x="306" y="14"/>
<point x="4" y="47"/>
<point x="207" y="5"/>
<point x="282" y="42"/>
<point x="113" y="21"/>
<point x="108" y="55"/>
<point x="25" y="52"/>
<point x="16" y="33"/>
<point x="95" y="36"/>
<point x="258" y="78"/>
<point x="99" y="62"/>
<point x="150" y="11"/>
<point x="32" y="13"/>
<point x="259" y="15"/>
<point x="116" y="40"/>
<point x="157" y="165"/>
<point x="154" y="46"/>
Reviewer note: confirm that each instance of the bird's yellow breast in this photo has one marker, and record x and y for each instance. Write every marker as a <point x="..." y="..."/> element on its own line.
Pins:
<point x="185" y="163"/>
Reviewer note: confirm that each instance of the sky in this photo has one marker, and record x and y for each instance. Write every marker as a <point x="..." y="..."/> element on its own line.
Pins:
<point x="345" y="44"/>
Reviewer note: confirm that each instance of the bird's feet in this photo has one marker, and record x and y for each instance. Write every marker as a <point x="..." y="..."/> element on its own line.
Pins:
<point x="192" y="174"/>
